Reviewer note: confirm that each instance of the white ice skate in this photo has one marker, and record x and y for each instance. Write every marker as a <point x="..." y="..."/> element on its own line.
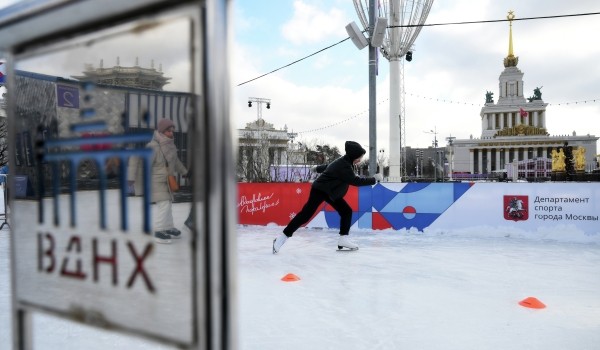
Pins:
<point x="278" y="242"/>
<point x="345" y="243"/>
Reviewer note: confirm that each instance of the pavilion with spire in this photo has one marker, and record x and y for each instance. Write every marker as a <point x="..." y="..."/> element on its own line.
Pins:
<point x="513" y="129"/>
<point x="136" y="76"/>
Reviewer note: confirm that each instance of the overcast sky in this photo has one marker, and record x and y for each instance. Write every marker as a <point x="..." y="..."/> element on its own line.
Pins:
<point x="457" y="63"/>
<point x="324" y="98"/>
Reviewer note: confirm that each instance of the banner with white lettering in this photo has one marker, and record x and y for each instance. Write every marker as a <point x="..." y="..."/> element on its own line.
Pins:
<point x="435" y="206"/>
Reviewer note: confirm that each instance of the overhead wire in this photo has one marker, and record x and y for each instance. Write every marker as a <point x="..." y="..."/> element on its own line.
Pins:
<point x="423" y="25"/>
<point x="440" y="100"/>
<point x="296" y="61"/>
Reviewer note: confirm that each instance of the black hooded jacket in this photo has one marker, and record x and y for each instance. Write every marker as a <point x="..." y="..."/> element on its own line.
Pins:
<point x="339" y="174"/>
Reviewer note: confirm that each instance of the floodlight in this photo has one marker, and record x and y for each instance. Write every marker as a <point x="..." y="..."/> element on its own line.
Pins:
<point x="379" y="32"/>
<point x="356" y="36"/>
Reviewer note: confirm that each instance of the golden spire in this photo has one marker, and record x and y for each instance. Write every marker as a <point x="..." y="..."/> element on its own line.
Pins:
<point x="511" y="60"/>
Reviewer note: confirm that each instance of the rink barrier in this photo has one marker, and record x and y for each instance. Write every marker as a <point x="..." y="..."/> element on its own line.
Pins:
<point x="527" y="207"/>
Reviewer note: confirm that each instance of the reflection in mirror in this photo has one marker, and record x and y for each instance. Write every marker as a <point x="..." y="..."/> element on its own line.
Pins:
<point x="91" y="160"/>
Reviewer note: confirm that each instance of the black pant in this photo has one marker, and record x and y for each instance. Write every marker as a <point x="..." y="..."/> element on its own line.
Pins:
<point x="315" y="199"/>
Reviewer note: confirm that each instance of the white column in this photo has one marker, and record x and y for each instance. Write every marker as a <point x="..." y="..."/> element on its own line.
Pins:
<point x="535" y="119"/>
<point x="509" y="119"/>
<point x="480" y="161"/>
<point x="501" y="121"/>
<point x="497" y="158"/>
<point x="484" y="122"/>
<point x="472" y="157"/>
<point x="543" y="116"/>
<point x="394" y="130"/>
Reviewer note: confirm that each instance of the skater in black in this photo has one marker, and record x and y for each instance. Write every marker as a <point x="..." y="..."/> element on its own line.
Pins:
<point x="331" y="187"/>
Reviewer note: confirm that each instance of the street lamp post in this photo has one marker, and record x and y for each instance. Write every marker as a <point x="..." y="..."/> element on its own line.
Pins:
<point x="441" y="163"/>
<point x="291" y="136"/>
<point x="263" y="145"/>
<point x="375" y="28"/>
<point x="419" y="166"/>
<point x="435" y="145"/>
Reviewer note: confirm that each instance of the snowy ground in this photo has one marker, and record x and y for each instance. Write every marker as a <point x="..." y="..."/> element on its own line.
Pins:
<point x="399" y="291"/>
<point x="418" y="292"/>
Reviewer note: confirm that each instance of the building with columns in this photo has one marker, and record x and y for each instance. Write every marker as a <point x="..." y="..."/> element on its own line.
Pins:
<point x="513" y="129"/>
<point x="261" y="147"/>
<point x="137" y="77"/>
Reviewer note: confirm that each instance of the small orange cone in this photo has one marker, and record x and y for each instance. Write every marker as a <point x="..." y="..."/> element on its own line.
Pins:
<point x="290" y="277"/>
<point x="532" y="302"/>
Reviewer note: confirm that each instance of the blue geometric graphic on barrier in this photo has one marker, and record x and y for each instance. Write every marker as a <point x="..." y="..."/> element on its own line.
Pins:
<point x="98" y="149"/>
<point x="416" y="205"/>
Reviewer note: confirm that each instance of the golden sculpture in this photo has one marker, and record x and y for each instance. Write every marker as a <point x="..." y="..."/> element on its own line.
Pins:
<point x="579" y="159"/>
<point x="558" y="160"/>
<point x="521" y="129"/>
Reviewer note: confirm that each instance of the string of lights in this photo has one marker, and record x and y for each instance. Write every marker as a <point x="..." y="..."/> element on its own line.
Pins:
<point x="440" y="100"/>
<point x="334" y="124"/>
<point x="496" y="20"/>
<point x="363" y="113"/>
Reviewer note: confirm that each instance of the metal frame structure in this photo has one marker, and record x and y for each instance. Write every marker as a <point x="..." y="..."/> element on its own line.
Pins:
<point x="259" y="102"/>
<point x="30" y="26"/>
<point x="398" y="40"/>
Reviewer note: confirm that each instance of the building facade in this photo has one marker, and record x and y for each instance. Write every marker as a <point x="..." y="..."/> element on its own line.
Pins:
<point x="513" y="130"/>
<point x="263" y="149"/>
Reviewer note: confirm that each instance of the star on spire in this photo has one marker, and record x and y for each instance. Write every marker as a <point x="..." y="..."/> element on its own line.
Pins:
<point x="511" y="60"/>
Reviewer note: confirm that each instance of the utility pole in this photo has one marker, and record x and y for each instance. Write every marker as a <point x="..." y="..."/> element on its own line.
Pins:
<point x="435" y="155"/>
<point x="372" y="94"/>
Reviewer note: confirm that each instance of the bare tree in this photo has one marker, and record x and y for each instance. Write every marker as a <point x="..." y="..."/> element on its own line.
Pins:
<point x="3" y="142"/>
<point x="255" y="157"/>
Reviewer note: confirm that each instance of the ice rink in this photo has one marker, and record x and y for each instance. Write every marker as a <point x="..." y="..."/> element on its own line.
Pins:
<point x="401" y="290"/>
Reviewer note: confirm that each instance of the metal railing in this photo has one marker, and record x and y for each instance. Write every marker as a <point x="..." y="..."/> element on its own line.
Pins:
<point x="4" y="214"/>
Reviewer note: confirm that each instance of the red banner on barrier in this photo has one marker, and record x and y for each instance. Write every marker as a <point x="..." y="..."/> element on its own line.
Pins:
<point x="270" y="203"/>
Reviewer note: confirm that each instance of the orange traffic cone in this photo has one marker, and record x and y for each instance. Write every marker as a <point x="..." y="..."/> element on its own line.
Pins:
<point x="290" y="277"/>
<point x="532" y="302"/>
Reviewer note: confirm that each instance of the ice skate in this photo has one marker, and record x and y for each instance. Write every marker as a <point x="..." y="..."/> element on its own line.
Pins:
<point x="345" y="243"/>
<point x="278" y="242"/>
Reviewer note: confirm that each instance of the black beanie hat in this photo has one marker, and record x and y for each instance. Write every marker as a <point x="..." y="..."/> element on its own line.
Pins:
<point x="354" y="150"/>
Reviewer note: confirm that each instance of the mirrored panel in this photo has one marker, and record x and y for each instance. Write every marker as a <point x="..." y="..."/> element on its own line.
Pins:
<point x="101" y="123"/>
